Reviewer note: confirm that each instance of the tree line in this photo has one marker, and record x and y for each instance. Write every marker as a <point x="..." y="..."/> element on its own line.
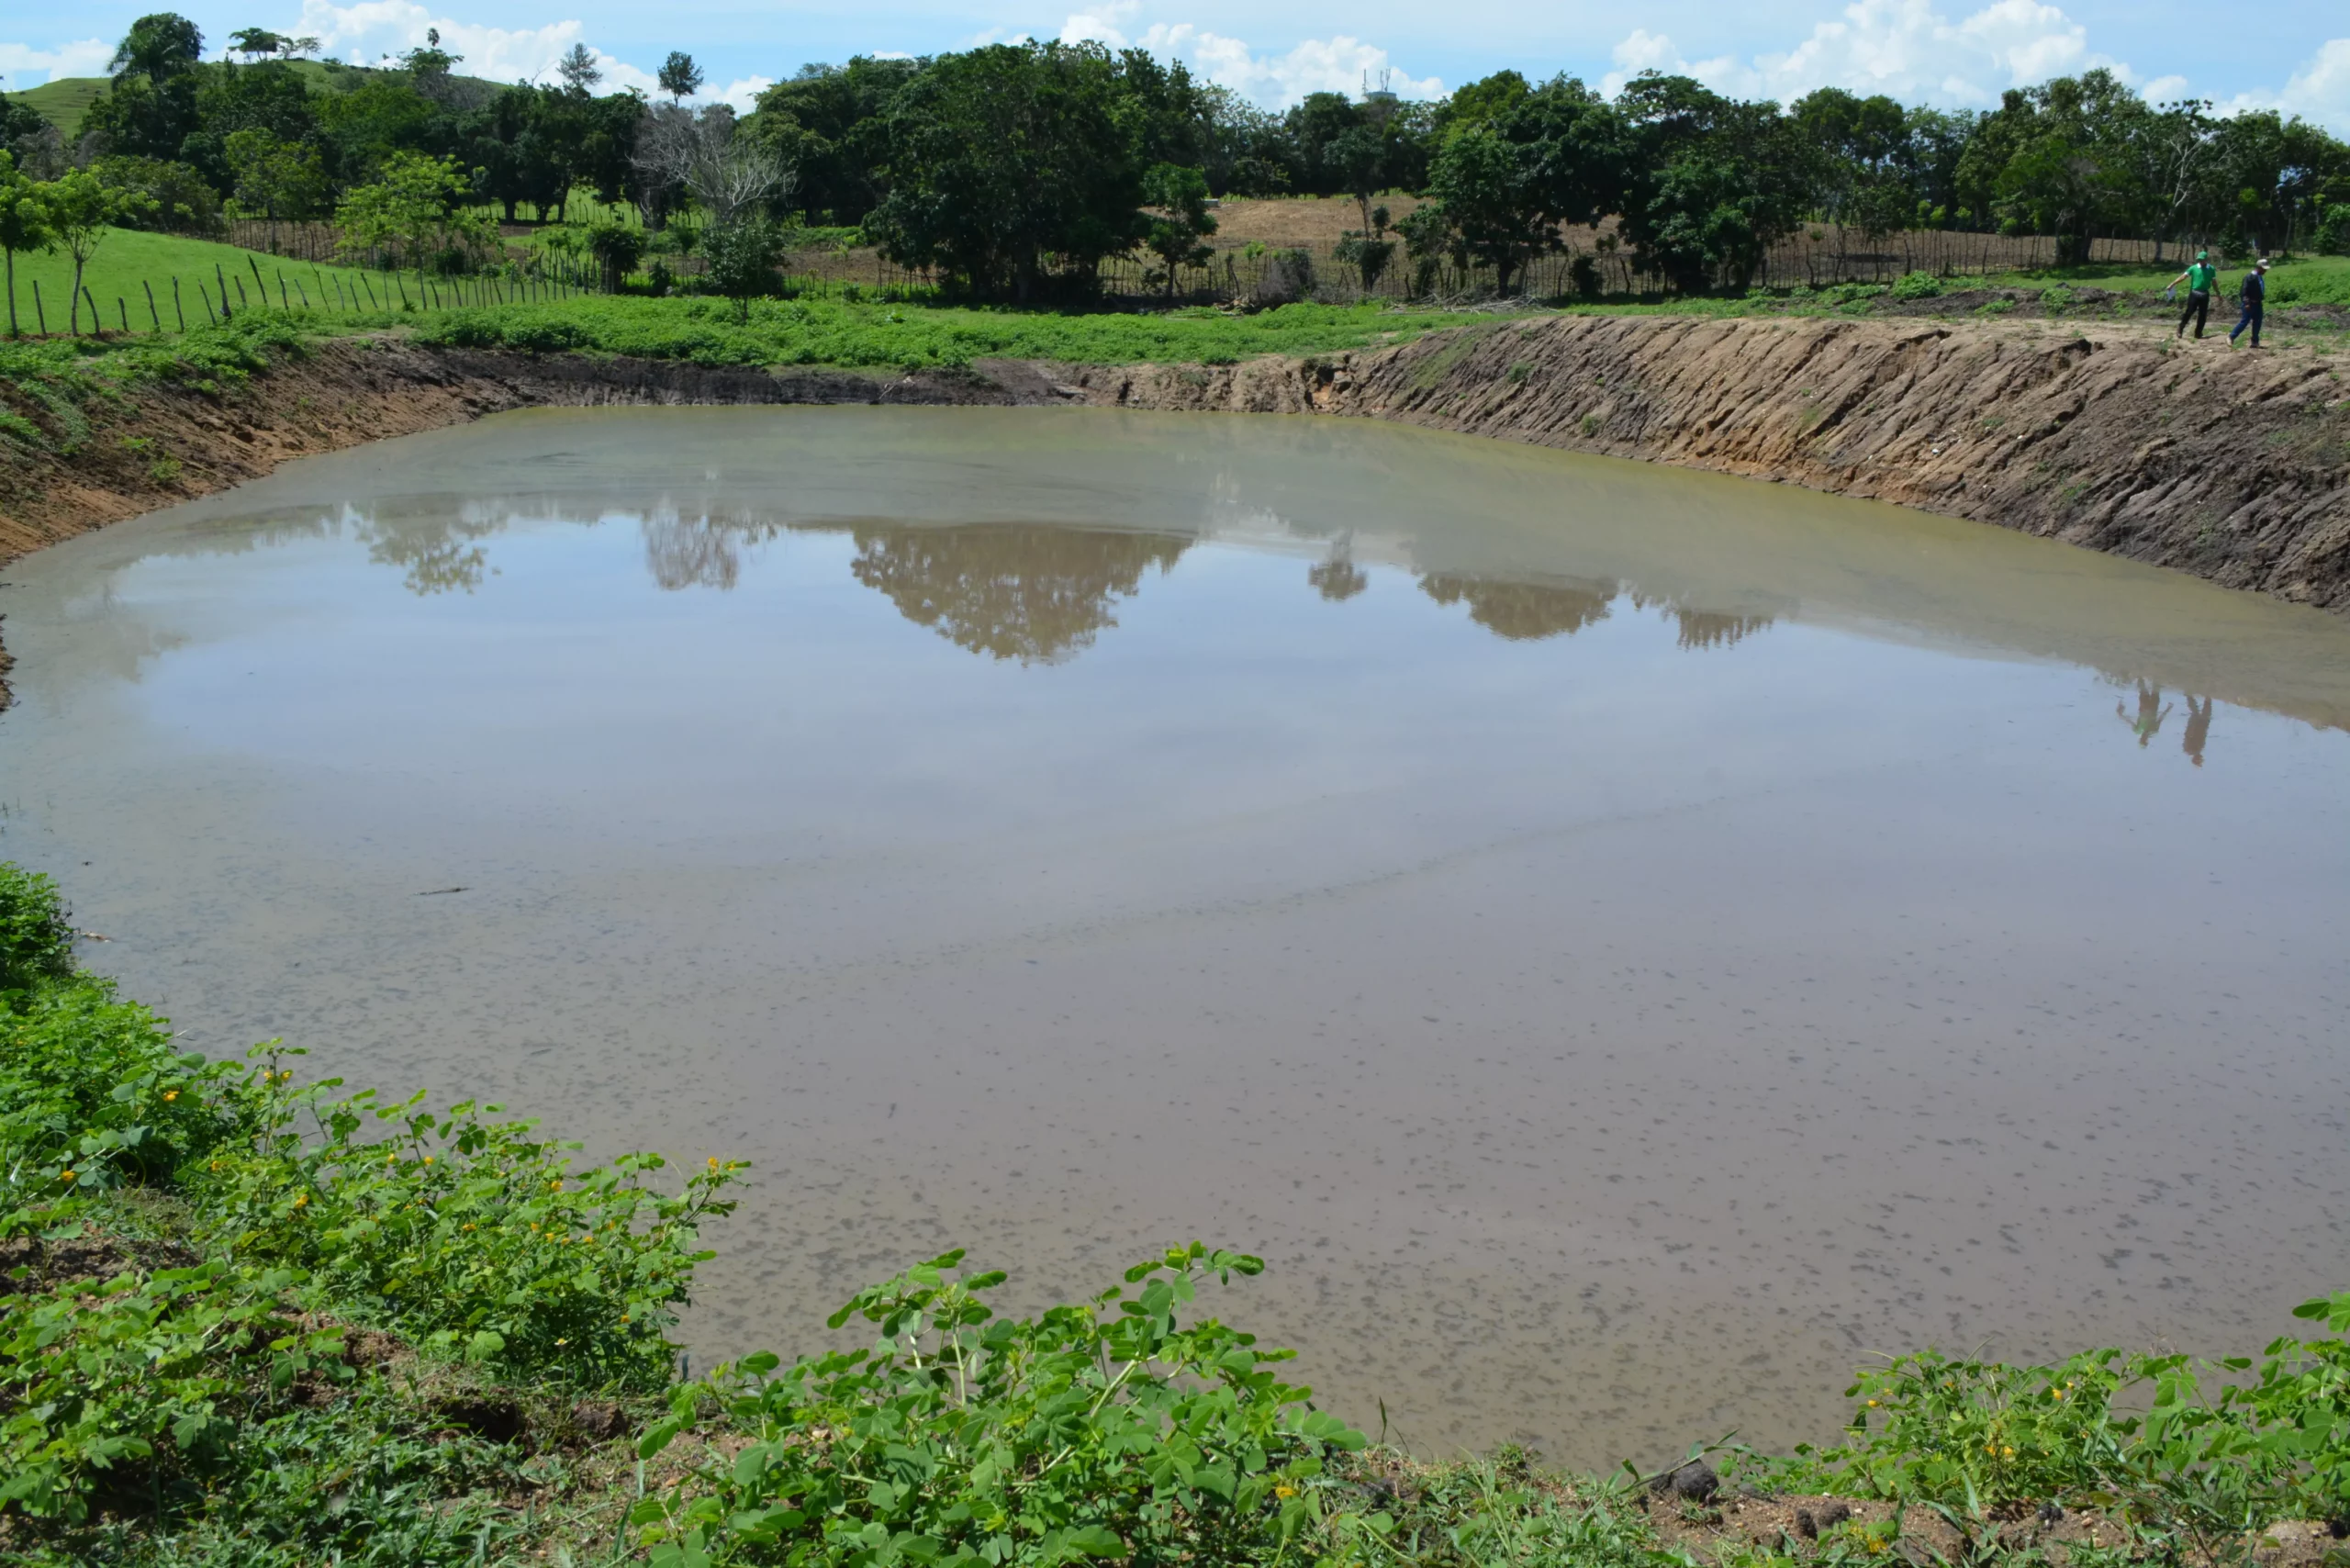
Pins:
<point x="1012" y="171"/>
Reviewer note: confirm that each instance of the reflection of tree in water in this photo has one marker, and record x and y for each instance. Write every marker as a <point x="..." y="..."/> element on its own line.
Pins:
<point x="1709" y="629"/>
<point x="1338" y="579"/>
<point x="1026" y="591"/>
<point x="1523" y="610"/>
<point x="439" y="555"/>
<point x="701" y="552"/>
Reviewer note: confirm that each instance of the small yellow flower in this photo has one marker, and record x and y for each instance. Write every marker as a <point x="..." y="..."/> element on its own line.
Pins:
<point x="556" y="1186"/>
<point x="559" y="1344"/>
<point x="1284" y="1491"/>
<point x="714" y="1162"/>
<point x="170" y="1095"/>
<point x="216" y="1165"/>
<point x="2009" y="1453"/>
<point x="1872" y="1404"/>
<point x="428" y="1159"/>
<point x="469" y="1224"/>
<point x="301" y="1198"/>
<point x="65" y="1176"/>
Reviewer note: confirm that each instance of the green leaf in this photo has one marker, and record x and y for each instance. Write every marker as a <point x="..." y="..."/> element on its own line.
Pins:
<point x="658" y="1437"/>
<point x="1093" y="1541"/>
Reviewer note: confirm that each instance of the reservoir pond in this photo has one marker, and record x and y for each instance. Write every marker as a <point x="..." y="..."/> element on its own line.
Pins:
<point x="1625" y="945"/>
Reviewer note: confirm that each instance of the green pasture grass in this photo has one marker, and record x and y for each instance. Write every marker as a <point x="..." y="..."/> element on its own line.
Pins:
<point x="63" y="102"/>
<point x="2295" y="280"/>
<point x="839" y="331"/>
<point x="129" y="261"/>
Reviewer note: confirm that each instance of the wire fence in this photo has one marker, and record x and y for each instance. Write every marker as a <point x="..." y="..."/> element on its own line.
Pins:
<point x="175" y="302"/>
<point x="1264" y="272"/>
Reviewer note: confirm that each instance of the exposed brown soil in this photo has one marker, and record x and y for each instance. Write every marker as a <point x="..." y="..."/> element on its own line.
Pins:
<point x="2234" y="466"/>
<point x="34" y="1263"/>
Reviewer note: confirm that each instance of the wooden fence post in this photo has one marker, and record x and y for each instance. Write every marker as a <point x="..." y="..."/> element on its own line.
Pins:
<point x="177" y="308"/>
<point x="153" y="314"/>
<point x="38" y="314"/>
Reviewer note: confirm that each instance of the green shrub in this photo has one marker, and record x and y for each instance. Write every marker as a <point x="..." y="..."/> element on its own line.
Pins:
<point x="465" y="1233"/>
<point x="1917" y="286"/>
<point x="93" y="1095"/>
<point x="466" y="1236"/>
<point x="2333" y="230"/>
<point x="2193" y="1458"/>
<point x="1111" y="1429"/>
<point x="36" y="940"/>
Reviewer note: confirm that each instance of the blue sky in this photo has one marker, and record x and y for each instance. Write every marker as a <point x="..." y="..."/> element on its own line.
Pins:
<point x="2294" y="55"/>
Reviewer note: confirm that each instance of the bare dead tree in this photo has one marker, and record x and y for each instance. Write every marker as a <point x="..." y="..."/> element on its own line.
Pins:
<point x="726" y="172"/>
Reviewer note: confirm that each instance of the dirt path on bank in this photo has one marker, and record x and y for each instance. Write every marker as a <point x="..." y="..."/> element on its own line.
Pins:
<point x="2236" y="467"/>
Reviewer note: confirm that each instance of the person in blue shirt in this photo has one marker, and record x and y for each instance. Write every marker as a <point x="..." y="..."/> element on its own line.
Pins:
<point x="2200" y="280"/>
<point x="2252" y="292"/>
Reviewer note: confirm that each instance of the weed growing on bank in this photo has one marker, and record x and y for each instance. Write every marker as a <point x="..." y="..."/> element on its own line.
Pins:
<point x="249" y="1320"/>
<point x="48" y="388"/>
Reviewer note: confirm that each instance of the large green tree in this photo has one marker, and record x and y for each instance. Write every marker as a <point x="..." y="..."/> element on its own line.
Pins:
<point x="1516" y="163"/>
<point x="1014" y="169"/>
<point x="420" y="210"/>
<point x="829" y="124"/>
<point x="150" y="107"/>
<point x="1712" y="182"/>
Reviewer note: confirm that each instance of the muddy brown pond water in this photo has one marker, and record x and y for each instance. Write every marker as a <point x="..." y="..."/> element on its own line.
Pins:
<point x="1624" y="944"/>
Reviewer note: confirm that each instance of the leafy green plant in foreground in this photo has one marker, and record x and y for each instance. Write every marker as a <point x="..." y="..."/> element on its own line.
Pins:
<point x="307" y="1212"/>
<point x="2190" y="1459"/>
<point x="1109" y="1429"/>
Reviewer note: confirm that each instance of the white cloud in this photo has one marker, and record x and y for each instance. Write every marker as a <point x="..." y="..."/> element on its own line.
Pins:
<point x="1904" y="48"/>
<point x="367" y="33"/>
<point x="1334" y="64"/>
<point x="17" y="62"/>
<point x="2319" y="90"/>
<point x="1910" y="51"/>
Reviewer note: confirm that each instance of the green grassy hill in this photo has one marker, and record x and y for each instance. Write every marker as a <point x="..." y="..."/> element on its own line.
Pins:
<point x="63" y="102"/>
<point x="129" y="262"/>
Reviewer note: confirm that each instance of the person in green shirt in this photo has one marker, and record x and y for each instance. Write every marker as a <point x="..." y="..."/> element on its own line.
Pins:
<point x="2201" y="279"/>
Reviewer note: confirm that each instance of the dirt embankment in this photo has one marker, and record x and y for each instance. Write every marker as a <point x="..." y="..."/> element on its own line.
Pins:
<point x="2234" y="466"/>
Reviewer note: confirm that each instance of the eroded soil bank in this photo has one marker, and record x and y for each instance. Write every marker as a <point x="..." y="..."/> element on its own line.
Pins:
<point x="2234" y="466"/>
